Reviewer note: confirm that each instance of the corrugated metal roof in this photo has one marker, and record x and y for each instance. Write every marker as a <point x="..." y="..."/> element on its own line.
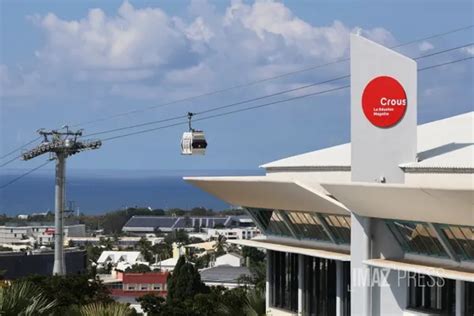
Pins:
<point x="442" y="144"/>
<point x="224" y="273"/>
<point x="162" y="222"/>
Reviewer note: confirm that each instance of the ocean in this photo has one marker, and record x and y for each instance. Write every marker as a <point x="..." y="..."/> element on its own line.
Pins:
<point x="96" y="192"/>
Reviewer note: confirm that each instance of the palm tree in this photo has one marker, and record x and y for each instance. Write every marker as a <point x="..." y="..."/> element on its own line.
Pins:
<point x="106" y="243"/>
<point x="220" y="246"/>
<point x="25" y="299"/>
<point x="99" y="309"/>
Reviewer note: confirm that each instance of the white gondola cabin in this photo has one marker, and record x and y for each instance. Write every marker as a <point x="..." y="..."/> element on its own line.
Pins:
<point x="193" y="142"/>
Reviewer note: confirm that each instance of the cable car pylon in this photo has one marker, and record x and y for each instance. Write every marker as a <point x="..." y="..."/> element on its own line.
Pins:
<point x="60" y="146"/>
<point x="193" y="142"/>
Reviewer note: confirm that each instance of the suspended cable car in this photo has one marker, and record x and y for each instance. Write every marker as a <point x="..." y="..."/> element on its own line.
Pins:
<point x="193" y="142"/>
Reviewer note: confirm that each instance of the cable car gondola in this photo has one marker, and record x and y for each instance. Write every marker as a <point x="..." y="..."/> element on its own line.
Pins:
<point x="193" y="142"/>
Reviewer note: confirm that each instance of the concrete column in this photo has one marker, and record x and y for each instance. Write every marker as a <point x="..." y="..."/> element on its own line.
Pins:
<point x="360" y="273"/>
<point x="460" y="296"/>
<point x="267" y="282"/>
<point x="339" y="288"/>
<point x="300" y="283"/>
<point x="59" y="267"/>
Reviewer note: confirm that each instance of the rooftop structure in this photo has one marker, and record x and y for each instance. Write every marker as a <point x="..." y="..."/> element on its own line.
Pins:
<point x="152" y="224"/>
<point x="21" y="264"/>
<point x="39" y="233"/>
<point x="131" y="284"/>
<point x="116" y="257"/>
<point x="397" y="203"/>
<point x="224" y="275"/>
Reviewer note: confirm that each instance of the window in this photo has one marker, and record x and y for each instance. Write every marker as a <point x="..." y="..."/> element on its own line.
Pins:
<point x="157" y="287"/>
<point x="144" y="287"/>
<point x="306" y="225"/>
<point x="416" y="237"/>
<point x="270" y="221"/>
<point x="460" y="239"/>
<point x="131" y="287"/>
<point x="340" y="227"/>
<point x="469" y="298"/>
<point x="319" y="295"/>
<point x="283" y="280"/>
<point x="431" y="294"/>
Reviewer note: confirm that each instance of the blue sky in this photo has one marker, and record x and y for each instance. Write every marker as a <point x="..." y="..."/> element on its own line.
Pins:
<point x="76" y="61"/>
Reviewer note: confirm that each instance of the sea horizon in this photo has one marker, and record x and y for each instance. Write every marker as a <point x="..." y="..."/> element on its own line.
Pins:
<point x="96" y="192"/>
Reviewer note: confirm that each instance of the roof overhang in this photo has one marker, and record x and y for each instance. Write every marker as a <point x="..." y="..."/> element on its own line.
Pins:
<point x="268" y="245"/>
<point x="262" y="192"/>
<point x="397" y="201"/>
<point x="433" y="270"/>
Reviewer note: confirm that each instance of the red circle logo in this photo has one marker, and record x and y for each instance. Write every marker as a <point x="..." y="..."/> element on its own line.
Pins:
<point x="384" y="101"/>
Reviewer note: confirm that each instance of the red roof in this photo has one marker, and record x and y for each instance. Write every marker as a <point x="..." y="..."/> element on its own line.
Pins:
<point x="145" y="278"/>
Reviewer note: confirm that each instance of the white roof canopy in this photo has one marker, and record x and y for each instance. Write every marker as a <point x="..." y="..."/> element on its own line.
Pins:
<point x="437" y="205"/>
<point x="278" y="246"/>
<point x="433" y="270"/>
<point x="445" y="144"/>
<point x="261" y="192"/>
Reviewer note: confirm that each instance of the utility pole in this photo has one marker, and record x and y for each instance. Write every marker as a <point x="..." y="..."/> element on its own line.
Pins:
<point x="60" y="145"/>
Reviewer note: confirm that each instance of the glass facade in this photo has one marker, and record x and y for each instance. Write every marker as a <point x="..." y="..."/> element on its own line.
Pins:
<point x="320" y="287"/>
<point x="303" y="225"/>
<point x="416" y="237"/>
<point x="460" y="239"/>
<point x="306" y="225"/>
<point x="283" y="280"/>
<point x="469" y="298"/>
<point x="340" y="227"/>
<point x="270" y="221"/>
<point x="319" y="284"/>
<point x="431" y="294"/>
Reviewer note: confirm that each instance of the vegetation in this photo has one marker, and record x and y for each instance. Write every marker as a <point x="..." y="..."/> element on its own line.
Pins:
<point x="71" y="295"/>
<point x="25" y="298"/>
<point x="188" y="295"/>
<point x="184" y="282"/>
<point x="100" y="309"/>
<point x="138" y="268"/>
<point x="70" y="290"/>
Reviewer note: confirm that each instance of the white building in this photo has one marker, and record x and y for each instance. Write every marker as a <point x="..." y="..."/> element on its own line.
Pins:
<point x="229" y="259"/>
<point x="122" y="242"/>
<point x="383" y="225"/>
<point x="40" y="234"/>
<point x="115" y="258"/>
<point x="233" y="233"/>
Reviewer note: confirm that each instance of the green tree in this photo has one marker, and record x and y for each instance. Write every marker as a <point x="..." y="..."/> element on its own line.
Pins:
<point x="138" y="268"/>
<point x="185" y="282"/>
<point x="232" y="302"/>
<point x="144" y="246"/>
<point x="106" y="243"/>
<point x="220" y="246"/>
<point x="152" y="304"/>
<point x="71" y="290"/>
<point x="24" y="298"/>
<point x="179" y="236"/>
<point x="162" y="250"/>
<point x="255" y="303"/>
<point x="253" y="254"/>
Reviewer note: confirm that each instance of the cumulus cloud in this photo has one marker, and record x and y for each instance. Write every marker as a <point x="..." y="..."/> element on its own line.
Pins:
<point x="142" y="49"/>
<point x="425" y="46"/>
<point x="469" y="50"/>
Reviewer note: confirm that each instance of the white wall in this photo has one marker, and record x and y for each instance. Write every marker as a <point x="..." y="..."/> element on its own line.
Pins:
<point x="228" y="259"/>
